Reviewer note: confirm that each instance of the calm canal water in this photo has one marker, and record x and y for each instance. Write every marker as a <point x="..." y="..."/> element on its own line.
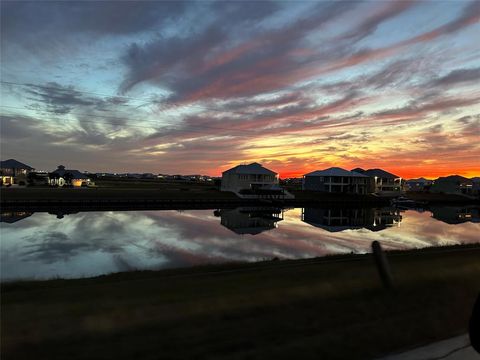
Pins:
<point x="48" y="245"/>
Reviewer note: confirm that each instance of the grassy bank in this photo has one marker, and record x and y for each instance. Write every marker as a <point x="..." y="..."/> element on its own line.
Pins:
<point x="332" y="308"/>
<point x="166" y="193"/>
<point x="130" y="191"/>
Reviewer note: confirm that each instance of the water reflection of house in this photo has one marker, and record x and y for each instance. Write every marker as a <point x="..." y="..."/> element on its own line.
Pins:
<point x="456" y="214"/>
<point x="340" y="219"/>
<point x="60" y="214"/>
<point x="11" y="217"/>
<point x="250" y="220"/>
<point x="382" y="218"/>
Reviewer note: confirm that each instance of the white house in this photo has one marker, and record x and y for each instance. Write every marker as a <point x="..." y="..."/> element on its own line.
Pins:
<point x="253" y="181"/>
<point x="336" y="180"/>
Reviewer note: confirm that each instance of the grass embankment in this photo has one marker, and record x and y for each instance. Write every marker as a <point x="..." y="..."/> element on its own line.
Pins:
<point x="119" y="191"/>
<point x="318" y="309"/>
<point x="138" y="191"/>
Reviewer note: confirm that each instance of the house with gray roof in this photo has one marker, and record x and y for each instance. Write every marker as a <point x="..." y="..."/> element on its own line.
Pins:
<point x="382" y="182"/>
<point x="253" y="181"/>
<point x="14" y="172"/>
<point x="336" y="180"/>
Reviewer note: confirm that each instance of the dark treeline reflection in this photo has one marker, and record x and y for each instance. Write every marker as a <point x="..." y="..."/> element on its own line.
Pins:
<point x="254" y="219"/>
<point x="69" y="243"/>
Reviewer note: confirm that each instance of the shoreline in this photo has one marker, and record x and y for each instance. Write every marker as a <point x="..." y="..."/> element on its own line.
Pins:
<point x="149" y="198"/>
<point x="330" y="307"/>
<point x="237" y="266"/>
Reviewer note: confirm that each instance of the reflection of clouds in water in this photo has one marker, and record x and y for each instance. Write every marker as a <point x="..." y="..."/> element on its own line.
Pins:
<point x="52" y="246"/>
<point x="87" y="232"/>
<point x="100" y="242"/>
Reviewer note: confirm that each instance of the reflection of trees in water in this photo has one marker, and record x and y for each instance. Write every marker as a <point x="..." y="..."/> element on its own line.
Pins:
<point x="339" y="219"/>
<point x="250" y="220"/>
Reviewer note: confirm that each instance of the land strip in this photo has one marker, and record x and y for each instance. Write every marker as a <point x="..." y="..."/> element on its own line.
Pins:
<point x="329" y="308"/>
<point x="187" y="195"/>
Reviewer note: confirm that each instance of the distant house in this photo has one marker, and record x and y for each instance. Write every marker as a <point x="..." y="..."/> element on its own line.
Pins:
<point x="420" y="184"/>
<point x="14" y="172"/>
<point x="62" y="177"/>
<point x="454" y="184"/>
<point x="336" y="180"/>
<point x="382" y="182"/>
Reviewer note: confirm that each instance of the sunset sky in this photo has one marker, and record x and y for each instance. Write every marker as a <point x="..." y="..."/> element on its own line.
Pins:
<point x="198" y="87"/>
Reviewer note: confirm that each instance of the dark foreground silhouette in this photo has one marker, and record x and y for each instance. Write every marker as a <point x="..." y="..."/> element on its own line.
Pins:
<point x="332" y="308"/>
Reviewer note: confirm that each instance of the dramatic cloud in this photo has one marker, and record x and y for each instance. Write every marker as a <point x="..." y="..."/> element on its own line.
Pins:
<point x="168" y="86"/>
<point x="458" y="76"/>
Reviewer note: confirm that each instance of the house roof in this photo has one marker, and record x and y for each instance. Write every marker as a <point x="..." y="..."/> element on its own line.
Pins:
<point x="454" y="178"/>
<point x="358" y="170"/>
<point x="419" y="180"/>
<point x="335" y="171"/>
<point x="253" y="168"/>
<point x="14" y="164"/>
<point x="74" y="173"/>
<point x="380" y="173"/>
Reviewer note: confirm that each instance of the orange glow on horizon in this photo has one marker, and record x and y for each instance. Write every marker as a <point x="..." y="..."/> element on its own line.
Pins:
<point x="411" y="173"/>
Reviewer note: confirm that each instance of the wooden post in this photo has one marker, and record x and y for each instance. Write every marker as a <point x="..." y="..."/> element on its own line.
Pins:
<point x="383" y="266"/>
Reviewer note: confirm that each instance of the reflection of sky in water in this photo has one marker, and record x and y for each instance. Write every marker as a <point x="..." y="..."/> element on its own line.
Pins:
<point x="94" y="243"/>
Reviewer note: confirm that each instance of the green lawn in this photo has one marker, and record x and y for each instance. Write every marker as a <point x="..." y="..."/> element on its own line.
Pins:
<point x="333" y="308"/>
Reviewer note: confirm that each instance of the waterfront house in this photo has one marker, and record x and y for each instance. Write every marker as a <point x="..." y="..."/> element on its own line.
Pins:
<point x="382" y="182"/>
<point x="62" y="177"/>
<point x="453" y="184"/>
<point x="14" y="172"/>
<point x="253" y="181"/>
<point x="336" y="180"/>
